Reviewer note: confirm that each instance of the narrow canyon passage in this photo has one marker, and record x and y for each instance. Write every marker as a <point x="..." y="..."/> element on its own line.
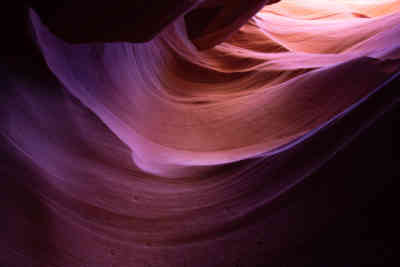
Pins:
<point x="220" y="147"/>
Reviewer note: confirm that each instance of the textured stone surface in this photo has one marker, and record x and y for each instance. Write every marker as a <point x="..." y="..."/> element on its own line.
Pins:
<point x="215" y="20"/>
<point x="157" y="154"/>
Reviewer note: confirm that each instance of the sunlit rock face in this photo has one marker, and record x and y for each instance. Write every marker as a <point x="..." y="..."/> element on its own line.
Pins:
<point x="158" y="154"/>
